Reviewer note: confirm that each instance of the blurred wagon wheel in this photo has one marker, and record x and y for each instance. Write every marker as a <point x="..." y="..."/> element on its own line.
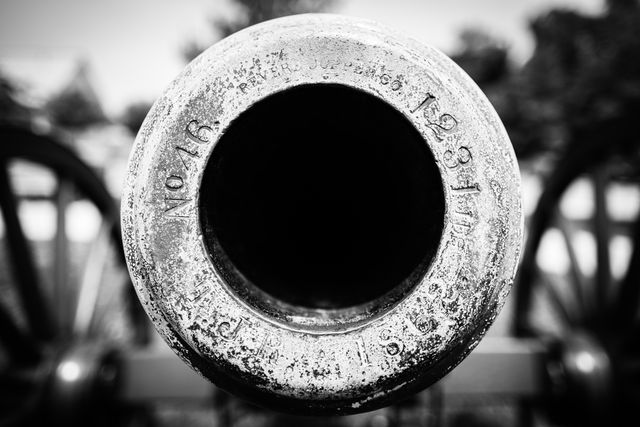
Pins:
<point x="55" y="359"/>
<point x="591" y="321"/>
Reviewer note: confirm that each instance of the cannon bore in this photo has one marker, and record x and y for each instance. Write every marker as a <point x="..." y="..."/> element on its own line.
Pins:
<point x="322" y="196"/>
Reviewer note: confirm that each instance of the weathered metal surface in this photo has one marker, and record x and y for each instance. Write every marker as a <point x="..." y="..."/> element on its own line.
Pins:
<point x="498" y="366"/>
<point x="322" y="360"/>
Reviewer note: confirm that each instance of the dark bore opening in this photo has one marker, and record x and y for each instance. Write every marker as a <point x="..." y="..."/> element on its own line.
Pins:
<point x="322" y="196"/>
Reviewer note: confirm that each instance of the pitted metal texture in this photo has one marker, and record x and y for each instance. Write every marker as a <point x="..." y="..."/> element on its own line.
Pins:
<point x="302" y="359"/>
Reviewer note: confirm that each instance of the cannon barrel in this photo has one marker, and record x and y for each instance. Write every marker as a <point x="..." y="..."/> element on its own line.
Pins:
<point x="322" y="215"/>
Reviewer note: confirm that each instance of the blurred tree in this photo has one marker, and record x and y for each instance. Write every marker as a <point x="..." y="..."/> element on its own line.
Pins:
<point x="582" y="81"/>
<point x="12" y="111"/>
<point x="483" y="57"/>
<point x="134" y="115"/>
<point x="77" y="105"/>
<point x="255" y="11"/>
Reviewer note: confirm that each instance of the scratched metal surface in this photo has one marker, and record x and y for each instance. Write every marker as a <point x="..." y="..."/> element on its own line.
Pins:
<point x="317" y="360"/>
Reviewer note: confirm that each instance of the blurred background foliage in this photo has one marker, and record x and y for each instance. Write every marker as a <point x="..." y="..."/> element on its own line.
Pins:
<point x="582" y="81"/>
<point x="76" y="105"/>
<point x="583" y="78"/>
<point x="252" y="12"/>
<point x="12" y="110"/>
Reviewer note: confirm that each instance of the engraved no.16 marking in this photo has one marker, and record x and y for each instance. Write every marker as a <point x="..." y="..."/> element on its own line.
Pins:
<point x="195" y="133"/>
<point x="174" y="205"/>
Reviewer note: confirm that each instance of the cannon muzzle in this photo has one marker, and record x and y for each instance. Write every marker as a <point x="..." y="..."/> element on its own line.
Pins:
<point x="321" y="215"/>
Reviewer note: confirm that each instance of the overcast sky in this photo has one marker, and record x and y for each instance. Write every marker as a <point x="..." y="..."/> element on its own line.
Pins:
<point x="134" y="46"/>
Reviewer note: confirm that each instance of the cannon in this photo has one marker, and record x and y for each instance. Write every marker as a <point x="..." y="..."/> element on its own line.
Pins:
<point x="322" y="215"/>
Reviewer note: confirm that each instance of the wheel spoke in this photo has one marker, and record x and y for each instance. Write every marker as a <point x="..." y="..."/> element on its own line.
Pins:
<point x="602" y="234"/>
<point x="20" y="348"/>
<point x="91" y="280"/>
<point x="577" y="278"/>
<point x="567" y="169"/>
<point x="625" y="307"/>
<point x="557" y="301"/>
<point x="38" y="317"/>
<point x="63" y="292"/>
